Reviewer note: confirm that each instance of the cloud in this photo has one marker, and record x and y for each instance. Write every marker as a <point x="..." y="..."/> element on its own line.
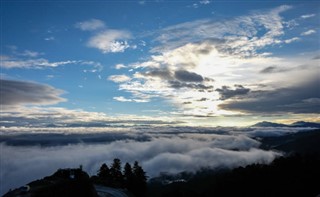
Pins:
<point x="302" y="98"/>
<point x="207" y="157"/>
<point x="49" y="38"/>
<point x="33" y="63"/>
<point x="309" y="32"/>
<point x="110" y="41"/>
<point x="36" y="117"/>
<point x="226" y="92"/>
<point x="307" y="16"/>
<point x="160" y="151"/>
<point x="159" y="73"/>
<point x="119" y="66"/>
<point x="242" y="35"/>
<point x="23" y="92"/>
<point x="288" y="41"/>
<point x="90" y="25"/>
<point x="316" y="57"/>
<point x="273" y="69"/>
<point x="119" y="78"/>
<point x="205" y="2"/>
<point x="31" y="54"/>
<point x="192" y="86"/>
<point x="186" y="76"/>
<point x="189" y="59"/>
<point x="269" y="69"/>
<point x="41" y="63"/>
<point x="123" y="99"/>
<point x="26" y="53"/>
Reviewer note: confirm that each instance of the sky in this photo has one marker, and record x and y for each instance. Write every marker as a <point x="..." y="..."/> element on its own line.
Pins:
<point x="199" y="63"/>
<point x="83" y="82"/>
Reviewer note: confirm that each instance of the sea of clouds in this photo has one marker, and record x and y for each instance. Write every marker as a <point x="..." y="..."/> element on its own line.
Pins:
<point x="29" y="154"/>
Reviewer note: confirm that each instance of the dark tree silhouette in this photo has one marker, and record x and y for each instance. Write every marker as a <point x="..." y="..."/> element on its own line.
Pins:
<point x="134" y="178"/>
<point x="103" y="177"/>
<point x="104" y="171"/>
<point x="140" y="180"/>
<point x="116" y="174"/>
<point x="128" y="177"/>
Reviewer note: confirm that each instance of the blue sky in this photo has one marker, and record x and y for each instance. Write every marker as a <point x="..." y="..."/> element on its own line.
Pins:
<point x="175" y="62"/>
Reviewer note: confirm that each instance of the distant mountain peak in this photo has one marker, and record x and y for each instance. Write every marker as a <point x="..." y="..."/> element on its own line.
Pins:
<point x="295" y="124"/>
<point x="268" y="124"/>
<point x="305" y="124"/>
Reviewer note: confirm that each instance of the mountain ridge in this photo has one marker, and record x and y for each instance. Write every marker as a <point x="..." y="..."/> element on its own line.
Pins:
<point x="295" y="124"/>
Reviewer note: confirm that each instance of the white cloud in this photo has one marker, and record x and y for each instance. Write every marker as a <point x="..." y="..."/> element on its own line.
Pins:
<point x="49" y="38"/>
<point x="308" y="16"/>
<point x="119" y="78"/>
<point x="247" y="29"/>
<point x="309" y="32"/>
<point x="119" y="66"/>
<point x="90" y="25"/>
<point x="205" y="2"/>
<point x="195" y="5"/>
<point x="33" y="63"/>
<point x="41" y="63"/>
<point x="110" y="41"/>
<point x="288" y="41"/>
<point x="123" y="99"/>
<point x="31" y="54"/>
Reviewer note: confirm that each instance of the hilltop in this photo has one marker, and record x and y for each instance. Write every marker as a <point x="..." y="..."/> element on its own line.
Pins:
<point x="295" y="124"/>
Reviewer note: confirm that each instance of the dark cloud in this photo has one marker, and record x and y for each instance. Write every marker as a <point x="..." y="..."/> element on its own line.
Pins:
<point x="23" y="92"/>
<point x="269" y="69"/>
<point x="203" y="99"/>
<point x="304" y="98"/>
<point x="163" y="74"/>
<point x="316" y="57"/>
<point x="272" y="69"/>
<point x="206" y="47"/>
<point x="226" y="92"/>
<point x="186" y="76"/>
<point x="197" y="86"/>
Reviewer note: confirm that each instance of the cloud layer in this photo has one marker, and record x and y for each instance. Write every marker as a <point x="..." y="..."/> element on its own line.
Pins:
<point x="158" y="149"/>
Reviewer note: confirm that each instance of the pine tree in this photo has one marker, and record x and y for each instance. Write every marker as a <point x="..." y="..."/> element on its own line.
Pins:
<point x="116" y="174"/>
<point x="128" y="177"/>
<point x="104" y="176"/>
<point x="104" y="171"/>
<point x="140" y="180"/>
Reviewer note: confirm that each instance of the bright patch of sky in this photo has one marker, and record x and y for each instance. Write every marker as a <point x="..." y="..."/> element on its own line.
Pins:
<point x="186" y="62"/>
